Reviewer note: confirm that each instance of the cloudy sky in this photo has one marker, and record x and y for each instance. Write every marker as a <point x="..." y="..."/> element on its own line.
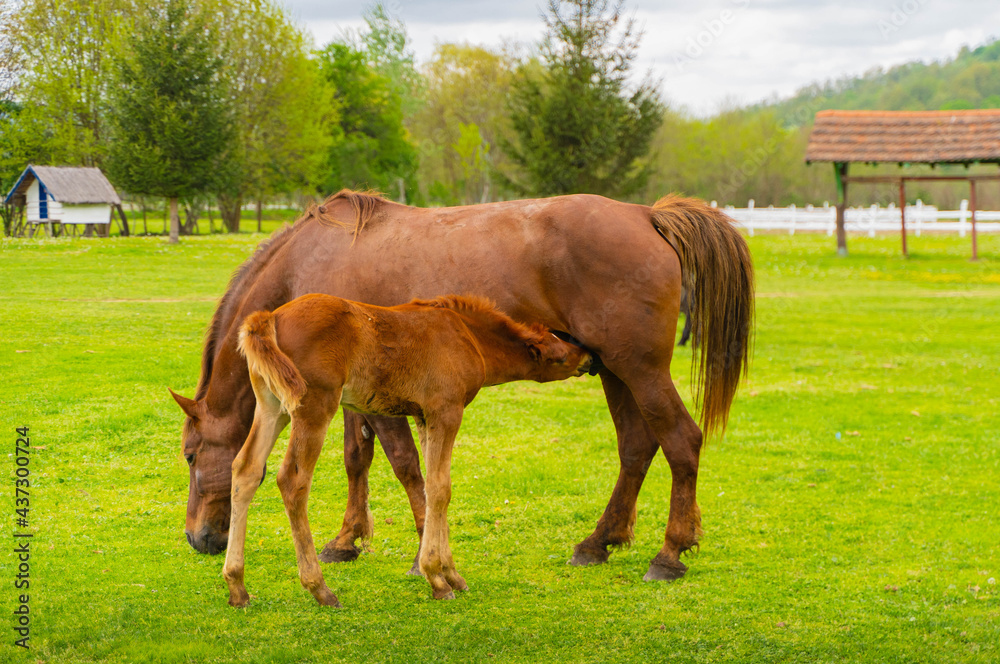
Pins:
<point x="710" y="53"/>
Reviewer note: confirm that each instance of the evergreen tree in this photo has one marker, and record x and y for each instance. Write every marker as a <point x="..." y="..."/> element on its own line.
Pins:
<point x="170" y="122"/>
<point x="579" y="125"/>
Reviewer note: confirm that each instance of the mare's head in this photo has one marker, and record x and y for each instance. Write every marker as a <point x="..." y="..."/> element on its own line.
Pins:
<point x="209" y="452"/>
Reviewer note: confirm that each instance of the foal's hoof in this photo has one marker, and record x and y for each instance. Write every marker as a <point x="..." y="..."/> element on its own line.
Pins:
<point x="239" y="598"/>
<point x="328" y="599"/>
<point x="588" y="556"/>
<point x="665" y="571"/>
<point x="331" y="554"/>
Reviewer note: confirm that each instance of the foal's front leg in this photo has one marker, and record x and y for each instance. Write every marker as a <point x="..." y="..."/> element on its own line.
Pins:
<point x="309" y="427"/>
<point x="248" y="470"/>
<point x="437" y="437"/>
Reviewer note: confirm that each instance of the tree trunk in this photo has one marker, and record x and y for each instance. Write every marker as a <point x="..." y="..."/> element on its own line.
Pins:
<point x="191" y="211"/>
<point x="175" y="222"/>
<point x="229" y="210"/>
<point x="259" y="214"/>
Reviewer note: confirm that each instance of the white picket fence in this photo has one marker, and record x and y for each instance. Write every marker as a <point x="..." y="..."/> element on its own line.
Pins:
<point x="920" y="218"/>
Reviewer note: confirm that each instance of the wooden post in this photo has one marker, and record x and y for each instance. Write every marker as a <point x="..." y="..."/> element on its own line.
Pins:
<point x="902" y="214"/>
<point x="259" y="213"/>
<point x="175" y="222"/>
<point x="840" y="170"/>
<point x="972" y="206"/>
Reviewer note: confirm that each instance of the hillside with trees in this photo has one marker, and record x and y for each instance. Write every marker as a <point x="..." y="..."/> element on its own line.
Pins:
<point x="471" y="124"/>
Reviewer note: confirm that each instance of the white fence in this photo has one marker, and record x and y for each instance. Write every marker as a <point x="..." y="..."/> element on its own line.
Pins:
<point x="920" y="218"/>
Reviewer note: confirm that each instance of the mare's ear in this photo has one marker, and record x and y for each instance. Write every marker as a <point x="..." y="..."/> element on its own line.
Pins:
<point x="189" y="406"/>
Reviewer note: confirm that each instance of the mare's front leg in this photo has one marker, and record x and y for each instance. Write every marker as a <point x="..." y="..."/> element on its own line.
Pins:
<point x="309" y="426"/>
<point x="437" y="438"/>
<point x="248" y="472"/>
<point x="359" y="446"/>
<point x="359" y="449"/>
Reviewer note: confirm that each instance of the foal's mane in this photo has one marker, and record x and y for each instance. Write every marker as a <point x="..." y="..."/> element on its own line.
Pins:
<point x="485" y="310"/>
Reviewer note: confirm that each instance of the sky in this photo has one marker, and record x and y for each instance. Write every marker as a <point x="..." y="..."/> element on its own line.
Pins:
<point x="708" y="54"/>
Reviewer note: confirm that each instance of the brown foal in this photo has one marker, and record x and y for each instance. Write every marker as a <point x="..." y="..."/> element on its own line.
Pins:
<point x="427" y="359"/>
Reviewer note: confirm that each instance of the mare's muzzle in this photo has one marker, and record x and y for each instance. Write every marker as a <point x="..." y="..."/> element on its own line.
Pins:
<point x="207" y="541"/>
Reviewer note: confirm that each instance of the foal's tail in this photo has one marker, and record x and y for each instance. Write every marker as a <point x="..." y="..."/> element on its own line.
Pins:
<point x="266" y="360"/>
<point x="718" y="279"/>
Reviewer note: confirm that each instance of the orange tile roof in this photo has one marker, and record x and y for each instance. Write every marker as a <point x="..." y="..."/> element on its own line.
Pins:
<point x="905" y="136"/>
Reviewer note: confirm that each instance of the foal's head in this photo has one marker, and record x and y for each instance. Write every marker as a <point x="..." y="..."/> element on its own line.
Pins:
<point x="556" y="359"/>
<point x="533" y="352"/>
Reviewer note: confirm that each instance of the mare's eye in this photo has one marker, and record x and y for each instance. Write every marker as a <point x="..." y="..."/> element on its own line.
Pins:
<point x="189" y="458"/>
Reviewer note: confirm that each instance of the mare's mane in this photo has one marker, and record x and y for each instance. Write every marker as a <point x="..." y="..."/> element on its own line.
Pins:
<point x="364" y="203"/>
<point x="485" y="310"/>
<point x="237" y="283"/>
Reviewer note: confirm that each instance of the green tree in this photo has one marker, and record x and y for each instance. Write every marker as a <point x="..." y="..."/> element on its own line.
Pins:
<point x="466" y="86"/>
<point x="579" y="125"/>
<point x="65" y="46"/>
<point x="370" y="146"/>
<point x="169" y="117"/>
<point x="282" y="107"/>
<point x="386" y="43"/>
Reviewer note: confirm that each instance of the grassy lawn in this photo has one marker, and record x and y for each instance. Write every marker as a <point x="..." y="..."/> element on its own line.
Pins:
<point x="851" y="513"/>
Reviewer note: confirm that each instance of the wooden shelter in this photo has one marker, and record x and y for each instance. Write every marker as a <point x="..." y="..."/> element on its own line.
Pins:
<point x="904" y="138"/>
<point x="62" y="198"/>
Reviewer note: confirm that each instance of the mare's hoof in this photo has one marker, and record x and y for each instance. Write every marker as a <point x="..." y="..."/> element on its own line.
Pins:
<point x="448" y="595"/>
<point x="665" y="571"/>
<point x="330" y="554"/>
<point x="415" y="570"/>
<point x="583" y="557"/>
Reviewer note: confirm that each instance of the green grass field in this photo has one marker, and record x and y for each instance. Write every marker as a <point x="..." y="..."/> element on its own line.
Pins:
<point x="850" y="514"/>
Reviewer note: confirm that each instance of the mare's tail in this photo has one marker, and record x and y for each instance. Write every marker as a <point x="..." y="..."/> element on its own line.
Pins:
<point x="718" y="278"/>
<point x="266" y="360"/>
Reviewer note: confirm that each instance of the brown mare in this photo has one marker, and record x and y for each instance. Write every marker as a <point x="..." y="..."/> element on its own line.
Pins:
<point x="607" y="273"/>
<point x="427" y="359"/>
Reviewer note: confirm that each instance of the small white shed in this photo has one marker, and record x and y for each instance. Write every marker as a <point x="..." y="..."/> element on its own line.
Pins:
<point x="67" y="196"/>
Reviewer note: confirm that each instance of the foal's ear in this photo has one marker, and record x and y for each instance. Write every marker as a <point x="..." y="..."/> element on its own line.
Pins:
<point x="189" y="406"/>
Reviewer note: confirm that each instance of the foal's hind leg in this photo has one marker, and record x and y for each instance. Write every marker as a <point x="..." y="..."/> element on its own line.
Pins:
<point x="248" y="470"/>
<point x="637" y="446"/>
<point x="309" y="427"/>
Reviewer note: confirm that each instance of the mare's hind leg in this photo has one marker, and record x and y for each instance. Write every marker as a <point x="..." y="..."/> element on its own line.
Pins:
<point x="248" y="471"/>
<point x="637" y="445"/>
<point x="309" y="427"/>
<point x="681" y="440"/>
<point x="359" y="448"/>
